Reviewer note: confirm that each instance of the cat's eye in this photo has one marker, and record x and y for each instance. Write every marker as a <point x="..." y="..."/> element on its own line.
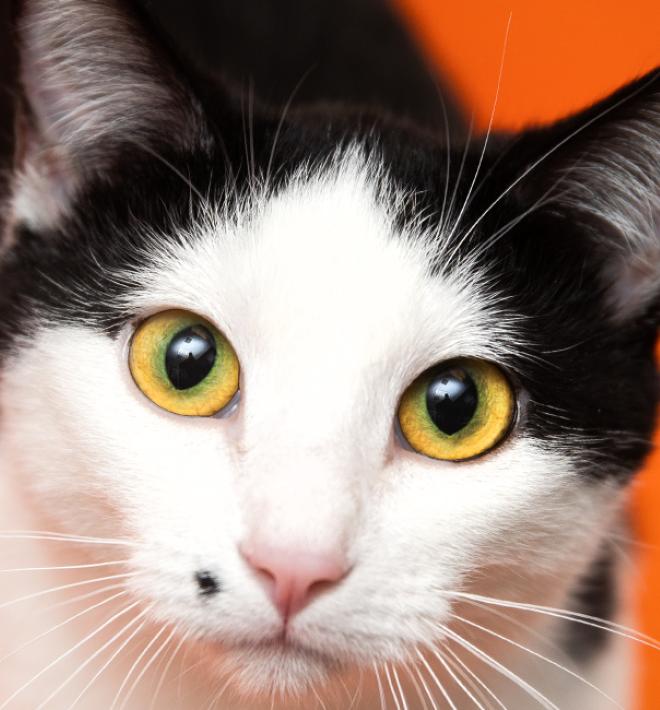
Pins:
<point x="457" y="410"/>
<point x="182" y="363"/>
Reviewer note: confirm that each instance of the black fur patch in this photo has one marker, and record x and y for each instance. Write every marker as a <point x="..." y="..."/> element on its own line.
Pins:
<point x="595" y="596"/>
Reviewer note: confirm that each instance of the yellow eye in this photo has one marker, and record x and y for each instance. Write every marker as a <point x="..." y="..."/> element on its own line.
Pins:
<point x="457" y="410"/>
<point x="184" y="364"/>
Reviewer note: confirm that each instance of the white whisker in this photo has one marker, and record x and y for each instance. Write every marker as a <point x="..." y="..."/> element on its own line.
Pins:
<point x="114" y="655"/>
<point x="502" y="669"/>
<point x="573" y="616"/>
<point x="488" y="133"/>
<point x="414" y="679"/>
<point x="64" y="587"/>
<point x="61" y="568"/>
<point x="62" y="624"/>
<point x="280" y="124"/>
<point x="148" y="665"/>
<point x="135" y="664"/>
<point x="388" y="676"/>
<point x="166" y="670"/>
<point x="474" y="676"/>
<point x="550" y="152"/>
<point x="436" y="680"/>
<point x="61" y="537"/>
<point x="381" y="692"/>
<point x="67" y="653"/>
<point x="397" y="682"/>
<point x="540" y="656"/>
<point x="455" y="678"/>
<point x="174" y="169"/>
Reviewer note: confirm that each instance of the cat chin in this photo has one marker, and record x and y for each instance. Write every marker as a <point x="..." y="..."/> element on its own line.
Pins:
<point x="263" y="670"/>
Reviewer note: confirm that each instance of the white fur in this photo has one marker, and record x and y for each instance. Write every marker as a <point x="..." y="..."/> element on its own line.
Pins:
<point x="332" y="315"/>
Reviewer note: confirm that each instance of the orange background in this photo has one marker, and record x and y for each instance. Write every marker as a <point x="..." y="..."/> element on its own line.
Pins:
<point x="559" y="57"/>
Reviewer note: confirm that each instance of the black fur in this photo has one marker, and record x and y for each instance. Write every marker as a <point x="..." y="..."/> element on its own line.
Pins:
<point x="596" y="597"/>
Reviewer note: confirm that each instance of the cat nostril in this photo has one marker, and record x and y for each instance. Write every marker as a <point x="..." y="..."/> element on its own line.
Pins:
<point x="293" y="578"/>
<point x="208" y="584"/>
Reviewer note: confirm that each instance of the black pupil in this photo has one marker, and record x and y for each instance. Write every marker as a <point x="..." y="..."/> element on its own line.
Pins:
<point x="190" y="357"/>
<point x="451" y="400"/>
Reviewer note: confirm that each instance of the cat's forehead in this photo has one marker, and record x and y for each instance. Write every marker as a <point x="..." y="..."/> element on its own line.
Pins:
<point x="324" y="269"/>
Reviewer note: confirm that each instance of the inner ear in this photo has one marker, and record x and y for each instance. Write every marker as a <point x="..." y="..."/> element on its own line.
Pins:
<point x="93" y="81"/>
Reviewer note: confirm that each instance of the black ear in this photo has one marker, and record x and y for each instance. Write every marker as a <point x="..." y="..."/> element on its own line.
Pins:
<point x="93" y="82"/>
<point x="602" y="167"/>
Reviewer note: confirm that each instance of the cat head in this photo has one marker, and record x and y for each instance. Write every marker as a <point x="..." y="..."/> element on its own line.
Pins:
<point x="410" y="369"/>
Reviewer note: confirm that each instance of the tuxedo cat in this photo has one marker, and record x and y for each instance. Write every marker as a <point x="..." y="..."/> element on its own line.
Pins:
<point x="311" y="406"/>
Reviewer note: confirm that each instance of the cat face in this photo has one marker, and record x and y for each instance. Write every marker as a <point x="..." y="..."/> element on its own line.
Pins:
<point x="301" y="527"/>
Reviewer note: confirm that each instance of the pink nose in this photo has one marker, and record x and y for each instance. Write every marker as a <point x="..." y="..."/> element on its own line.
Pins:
<point x="292" y="577"/>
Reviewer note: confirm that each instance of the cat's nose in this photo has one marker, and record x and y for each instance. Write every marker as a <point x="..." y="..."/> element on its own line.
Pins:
<point x="293" y="577"/>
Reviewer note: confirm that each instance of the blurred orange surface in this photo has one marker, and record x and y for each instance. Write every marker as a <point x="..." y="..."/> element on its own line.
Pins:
<point x="557" y="58"/>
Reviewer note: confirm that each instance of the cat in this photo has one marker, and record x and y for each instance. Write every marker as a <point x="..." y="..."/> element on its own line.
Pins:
<point x="315" y="408"/>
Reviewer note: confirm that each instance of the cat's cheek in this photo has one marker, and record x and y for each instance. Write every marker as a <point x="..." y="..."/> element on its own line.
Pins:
<point x="76" y="426"/>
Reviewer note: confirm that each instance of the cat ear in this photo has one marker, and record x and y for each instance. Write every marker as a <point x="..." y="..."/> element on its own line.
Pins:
<point x="607" y="173"/>
<point x="93" y="82"/>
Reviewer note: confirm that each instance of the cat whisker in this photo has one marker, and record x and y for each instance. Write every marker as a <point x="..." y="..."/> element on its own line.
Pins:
<point x="397" y="681"/>
<point x="45" y="535"/>
<point x="522" y="647"/>
<point x="66" y="654"/>
<point x="253" y="160"/>
<point x="436" y="680"/>
<point x="381" y="692"/>
<point x="42" y="635"/>
<point x="63" y="568"/>
<point x="319" y="699"/>
<point x="468" y="671"/>
<point x="280" y="124"/>
<point x="445" y="187"/>
<point x="425" y="687"/>
<point x="484" y="147"/>
<point x="499" y="667"/>
<point x="443" y="225"/>
<point x="64" y="587"/>
<point x="494" y="238"/>
<point x="388" y="677"/>
<point x="573" y="616"/>
<point x="167" y="668"/>
<point x="216" y="697"/>
<point x="357" y="695"/>
<point x="83" y="597"/>
<point x="455" y="678"/>
<point x="148" y="665"/>
<point x="414" y="679"/>
<point x="519" y="624"/>
<point x="135" y="664"/>
<point x="552" y="150"/>
<point x="110" y="660"/>
<point x="174" y="169"/>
